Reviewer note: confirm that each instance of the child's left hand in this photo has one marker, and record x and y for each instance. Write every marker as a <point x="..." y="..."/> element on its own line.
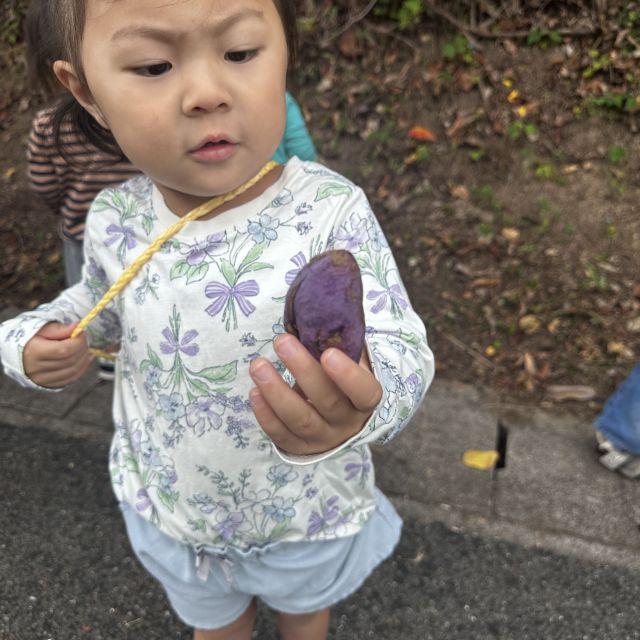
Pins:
<point x="330" y="403"/>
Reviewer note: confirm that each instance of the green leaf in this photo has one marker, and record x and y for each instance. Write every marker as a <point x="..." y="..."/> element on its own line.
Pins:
<point x="179" y="270"/>
<point x="223" y="374"/>
<point x="131" y="463"/>
<point x="616" y="153"/>
<point x="200" y="387"/>
<point x="258" y="266"/>
<point x="200" y="524"/>
<point x="168" y="499"/>
<point x="195" y="274"/>
<point x="153" y="356"/>
<point x="534" y="37"/>
<point x="333" y="189"/>
<point x="228" y="272"/>
<point x="253" y="255"/>
<point x="147" y="224"/>
<point x="449" y="51"/>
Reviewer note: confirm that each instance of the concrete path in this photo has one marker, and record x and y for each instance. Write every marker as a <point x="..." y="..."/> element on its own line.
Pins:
<point x="544" y="547"/>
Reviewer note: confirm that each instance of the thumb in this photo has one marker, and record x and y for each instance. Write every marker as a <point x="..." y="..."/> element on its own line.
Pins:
<point x="57" y="331"/>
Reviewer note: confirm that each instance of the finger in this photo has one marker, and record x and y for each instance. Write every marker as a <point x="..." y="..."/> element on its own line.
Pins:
<point x="316" y="385"/>
<point x="295" y="412"/>
<point x="56" y="331"/>
<point x="56" y="353"/>
<point x="355" y="380"/>
<point x="62" y="375"/>
<point x="271" y="424"/>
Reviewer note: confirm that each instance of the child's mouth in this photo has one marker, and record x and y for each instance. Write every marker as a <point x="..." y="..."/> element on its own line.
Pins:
<point x="214" y="150"/>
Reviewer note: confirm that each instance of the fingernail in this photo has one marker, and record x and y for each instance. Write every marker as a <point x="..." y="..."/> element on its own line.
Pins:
<point x="259" y="371"/>
<point x="256" y="399"/>
<point x="285" y="346"/>
<point x="331" y="358"/>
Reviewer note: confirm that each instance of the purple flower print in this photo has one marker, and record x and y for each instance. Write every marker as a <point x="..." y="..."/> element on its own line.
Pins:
<point x="221" y="293"/>
<point x="248" y="340"/>
<point x="172" y="345"/>
<point x="203" y="501"/>
<point x="393" y="293"/>
<point x="143" y="500"/>
<point x="149" y="455"/>
<point x="280" y="509"/>
<point x="303" y="209"/>
<point x="96" y="271"/>
<point x="354" y="469"/>
<point x="214" y="245"/>
<point x="204" y="414"/>
<point x="303" y="228"/>
<point x="299" y="260"/>
<point x="355" y="236"/>
<point x="317" y="521"/>
<point x="168" y="478"/>
<point x="124" y="234"/>
<point x="228" y="527"/>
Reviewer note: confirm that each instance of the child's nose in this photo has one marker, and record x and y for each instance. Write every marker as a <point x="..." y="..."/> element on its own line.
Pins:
<point x="205" y="90"/>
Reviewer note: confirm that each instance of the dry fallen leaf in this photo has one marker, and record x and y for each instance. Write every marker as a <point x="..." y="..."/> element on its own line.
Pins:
<point x="460" y="192"/>
<point x="620" y="349"/>
<point x="529" y="323"/>
<point x="554" y="325"/>
<point x="560" y="392"/>
<point x="348" y="44"/>
<point x="510" y="233"/>
<point x="634" y="325"/>
<point x="530" y="364"/>
<point x="422" y="134"/>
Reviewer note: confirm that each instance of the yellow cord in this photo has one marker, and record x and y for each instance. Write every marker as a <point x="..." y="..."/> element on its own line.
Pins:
<point x="145" y="256"/>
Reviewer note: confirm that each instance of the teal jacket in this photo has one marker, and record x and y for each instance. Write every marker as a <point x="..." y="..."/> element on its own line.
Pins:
<point x="296" y="140"/>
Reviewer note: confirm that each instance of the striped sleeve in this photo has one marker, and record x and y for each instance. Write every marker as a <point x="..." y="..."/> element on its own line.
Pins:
<point x="69" y="183"/>
<point x="43" y="178"/>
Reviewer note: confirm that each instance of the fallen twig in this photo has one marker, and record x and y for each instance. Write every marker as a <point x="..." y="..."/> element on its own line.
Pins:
<point x="469" y="30"/>
<point x="353" y="20"/>
<point x="478" y="357"/>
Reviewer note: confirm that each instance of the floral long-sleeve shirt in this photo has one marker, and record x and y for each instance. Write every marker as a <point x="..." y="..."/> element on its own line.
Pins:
<point x="187" y="452"/>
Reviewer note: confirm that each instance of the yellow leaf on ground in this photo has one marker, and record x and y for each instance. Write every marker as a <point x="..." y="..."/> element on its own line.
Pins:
<point x="481" y="460"/>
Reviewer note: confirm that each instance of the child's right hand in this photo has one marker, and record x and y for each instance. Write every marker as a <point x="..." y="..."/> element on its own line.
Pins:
<point x="52" y="359"/>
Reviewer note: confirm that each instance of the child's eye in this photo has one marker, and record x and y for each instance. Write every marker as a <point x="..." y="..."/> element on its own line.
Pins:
<point x="153" y="70"/>
<point x="240" y="56"/>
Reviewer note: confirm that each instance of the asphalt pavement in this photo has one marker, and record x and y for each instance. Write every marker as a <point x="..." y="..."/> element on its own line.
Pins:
<point x="544" y="547"/>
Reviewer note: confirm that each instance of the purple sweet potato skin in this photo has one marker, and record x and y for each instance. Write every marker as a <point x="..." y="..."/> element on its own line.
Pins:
<point x="323" y="307"/>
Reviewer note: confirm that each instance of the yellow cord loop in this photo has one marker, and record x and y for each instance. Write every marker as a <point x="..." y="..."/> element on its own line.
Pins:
<point x="145" y="256"/>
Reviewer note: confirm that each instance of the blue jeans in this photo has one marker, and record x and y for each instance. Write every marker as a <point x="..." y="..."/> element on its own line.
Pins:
<point x="619" y="421"/>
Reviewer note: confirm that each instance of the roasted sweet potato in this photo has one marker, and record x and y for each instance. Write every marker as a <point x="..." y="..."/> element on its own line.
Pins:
<point x="323" y="306"/>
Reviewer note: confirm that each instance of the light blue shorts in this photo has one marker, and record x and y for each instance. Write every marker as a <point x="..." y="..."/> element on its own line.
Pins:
<point x="209" y="591"/>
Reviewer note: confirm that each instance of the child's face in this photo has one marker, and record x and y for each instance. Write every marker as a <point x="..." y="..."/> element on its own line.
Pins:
<point x="192" y="90"/>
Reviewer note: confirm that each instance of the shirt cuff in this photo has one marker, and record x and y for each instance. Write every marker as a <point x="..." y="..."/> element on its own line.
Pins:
<point x="12" y="358"/>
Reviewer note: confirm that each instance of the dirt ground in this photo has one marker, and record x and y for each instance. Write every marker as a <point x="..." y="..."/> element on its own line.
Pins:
<point x="510" y="204"/>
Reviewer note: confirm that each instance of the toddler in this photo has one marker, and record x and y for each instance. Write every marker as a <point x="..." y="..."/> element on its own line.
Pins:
<point x="234" y="482"/>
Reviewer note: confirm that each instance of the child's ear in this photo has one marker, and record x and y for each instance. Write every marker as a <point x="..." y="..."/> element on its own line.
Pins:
<point x="67" y="75"/>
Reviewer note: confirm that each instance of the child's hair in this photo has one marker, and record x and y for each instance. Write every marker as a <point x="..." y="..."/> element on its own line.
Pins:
<point x="43" y="46"/>
<point x="69" y="19"/>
